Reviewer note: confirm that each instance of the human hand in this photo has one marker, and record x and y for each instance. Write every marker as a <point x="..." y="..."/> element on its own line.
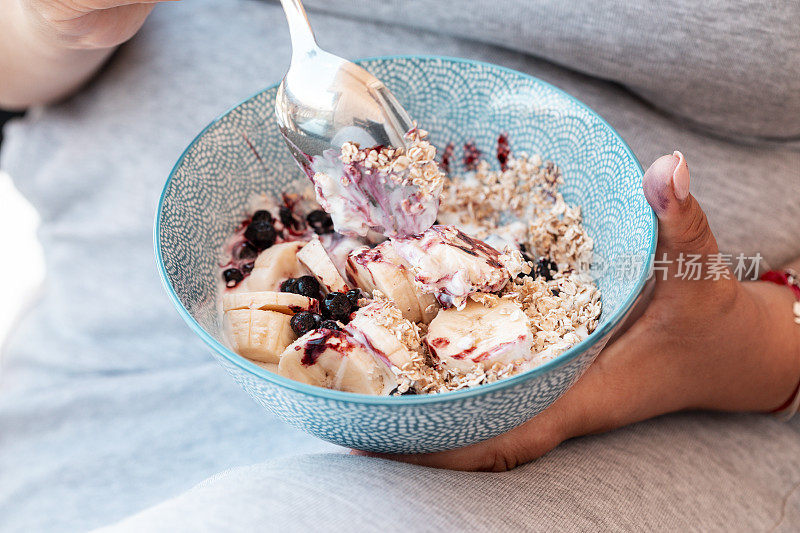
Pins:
<point x="49" y="48"/>
<point x="705" y="344"/>
<point x="87" y="24"/>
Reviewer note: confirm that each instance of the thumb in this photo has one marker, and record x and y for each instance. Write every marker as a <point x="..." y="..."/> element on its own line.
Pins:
<point x="683" y="227"/>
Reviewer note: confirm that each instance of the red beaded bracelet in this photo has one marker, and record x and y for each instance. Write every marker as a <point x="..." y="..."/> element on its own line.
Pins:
<point x="788" y="278"/>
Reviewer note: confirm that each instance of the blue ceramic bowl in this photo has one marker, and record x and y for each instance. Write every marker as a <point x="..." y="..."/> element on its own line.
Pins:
<point x="242" y="153"/>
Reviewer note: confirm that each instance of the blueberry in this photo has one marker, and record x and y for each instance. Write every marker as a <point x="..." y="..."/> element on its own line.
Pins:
<point x="307" y="286"/>
<point x="244" y="251"/>
<point x="330" y="324"/>
<point x="303" y="322"/>
<point x="409" y="392"/>
<point x="320" y="221"/>
<point x="263" y="215"/>
<point x="317" y="217"/>
<point x="247" y="268"/>
<point x="524" y="251"/>
<point x="232" y="277"/>
<point x="336" y="306"/>
<point x="287" y="285"/>
<point x="288" y="219"/>
<point x="260" y="233"/>
<point x="544" y="267"/>
<point x="353" y="295"/>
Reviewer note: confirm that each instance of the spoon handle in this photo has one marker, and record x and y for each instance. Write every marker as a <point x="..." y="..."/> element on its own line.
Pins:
<point x="300" y="31"/>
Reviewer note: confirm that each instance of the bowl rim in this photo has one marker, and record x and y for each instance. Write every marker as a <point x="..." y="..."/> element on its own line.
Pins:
<point x="341" y="396"/>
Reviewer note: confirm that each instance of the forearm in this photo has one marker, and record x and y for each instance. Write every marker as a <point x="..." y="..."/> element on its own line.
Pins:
<point x="37" y="67"/>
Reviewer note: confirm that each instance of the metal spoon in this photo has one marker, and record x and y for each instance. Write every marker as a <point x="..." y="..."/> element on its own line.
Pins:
<point x="325" y="100"/>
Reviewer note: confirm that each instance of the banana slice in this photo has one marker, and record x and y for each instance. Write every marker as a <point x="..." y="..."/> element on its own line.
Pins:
<point x="316" y="259"/>
<point x="383" y="269"/>
<point x="282" y="302"/>
<point x="257" y="334"/>
<point x="495" y="332"/>
<point x="453" y="265"/>
<point x="335" y="360"/>
<point x="272" y="266"/>
<point x="339" y="248"/>
<point x="380" y="327"/>
<point x="272" y="367"/>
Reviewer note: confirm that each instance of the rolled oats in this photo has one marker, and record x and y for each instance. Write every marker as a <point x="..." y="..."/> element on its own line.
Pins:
<point x="561" y="311"/>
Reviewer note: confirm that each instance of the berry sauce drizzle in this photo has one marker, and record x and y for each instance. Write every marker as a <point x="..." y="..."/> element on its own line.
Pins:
<point x="503" y="150"/>
<point x="471" y="156"/>
<point x="447" y="156"/>
<point x="315" y="347"/>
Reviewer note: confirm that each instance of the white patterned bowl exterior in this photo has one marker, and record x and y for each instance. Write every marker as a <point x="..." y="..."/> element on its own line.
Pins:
<point x="242" y="153"/>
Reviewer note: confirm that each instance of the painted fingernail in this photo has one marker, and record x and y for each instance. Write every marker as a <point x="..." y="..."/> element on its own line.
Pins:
<point x="680" y="178"/>
<point x="657" y="183"/>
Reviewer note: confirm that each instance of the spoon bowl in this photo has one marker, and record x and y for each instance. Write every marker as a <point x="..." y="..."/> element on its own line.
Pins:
<point x="325" y="100"/>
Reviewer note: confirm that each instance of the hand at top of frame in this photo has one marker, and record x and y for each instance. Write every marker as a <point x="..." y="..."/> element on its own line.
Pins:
<point x="87" y="23"/>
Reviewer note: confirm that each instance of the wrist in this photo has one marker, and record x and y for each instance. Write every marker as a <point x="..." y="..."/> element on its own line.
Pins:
<point x="779" y="338"/>
<point x="748" y="352"/>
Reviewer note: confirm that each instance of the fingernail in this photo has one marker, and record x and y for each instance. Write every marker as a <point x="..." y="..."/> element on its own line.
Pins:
<point x="680" y="178"/>
<point x="658" y="187"/>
